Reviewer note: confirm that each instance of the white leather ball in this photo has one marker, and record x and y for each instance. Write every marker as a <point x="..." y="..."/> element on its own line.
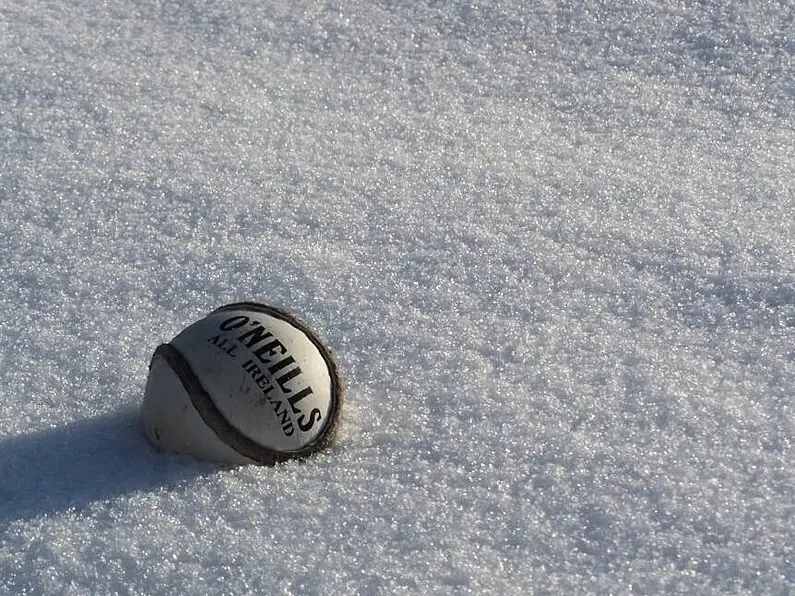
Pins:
<point x="249" y="383"/>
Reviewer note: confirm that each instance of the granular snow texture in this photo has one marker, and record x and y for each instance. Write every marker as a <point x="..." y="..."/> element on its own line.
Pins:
<point x="552" y="245"/>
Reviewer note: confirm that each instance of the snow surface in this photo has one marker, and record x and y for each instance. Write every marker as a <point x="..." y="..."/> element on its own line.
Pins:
<point x="552" y="243"/>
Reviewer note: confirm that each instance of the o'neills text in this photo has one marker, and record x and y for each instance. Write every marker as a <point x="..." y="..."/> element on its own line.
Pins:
<point x="269" y="365"/>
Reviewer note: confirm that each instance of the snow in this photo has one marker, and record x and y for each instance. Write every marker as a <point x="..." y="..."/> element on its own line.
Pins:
<point x="553" y="247"/>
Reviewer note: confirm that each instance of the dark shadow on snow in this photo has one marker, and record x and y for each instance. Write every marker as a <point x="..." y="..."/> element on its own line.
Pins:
<point x="91" y="460"/>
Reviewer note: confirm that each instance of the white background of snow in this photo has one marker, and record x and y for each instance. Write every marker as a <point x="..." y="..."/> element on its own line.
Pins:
<point x="552" y="246"/>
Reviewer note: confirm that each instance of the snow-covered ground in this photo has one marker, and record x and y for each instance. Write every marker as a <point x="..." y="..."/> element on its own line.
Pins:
<point x="552" y="244"/>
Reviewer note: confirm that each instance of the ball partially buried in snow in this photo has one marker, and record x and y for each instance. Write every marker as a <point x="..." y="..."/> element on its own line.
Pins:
<point x="249" y="383"/>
